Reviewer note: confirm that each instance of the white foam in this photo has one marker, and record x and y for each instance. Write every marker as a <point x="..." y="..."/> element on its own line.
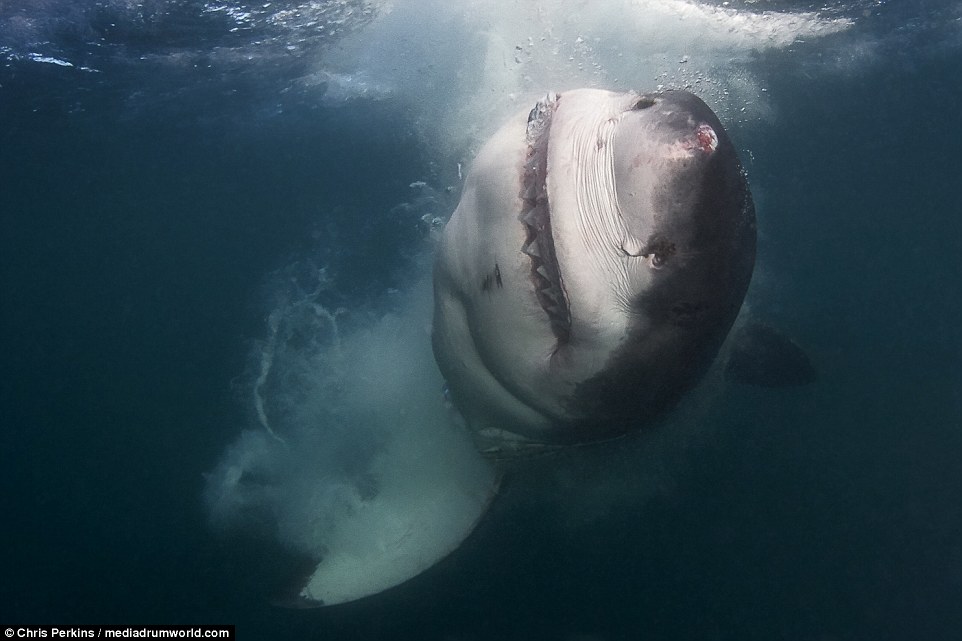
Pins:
<point x="464" y="67"/>
<point x="358" y="464"/>
<point x="36" y="57"/>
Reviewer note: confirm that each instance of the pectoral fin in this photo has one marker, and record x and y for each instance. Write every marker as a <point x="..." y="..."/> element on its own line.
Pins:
<point x="762" y="356"/>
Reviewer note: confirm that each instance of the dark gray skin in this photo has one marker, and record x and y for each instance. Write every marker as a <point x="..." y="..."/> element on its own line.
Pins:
<point x="598" y="258"/>
<point x="702" y="232"/>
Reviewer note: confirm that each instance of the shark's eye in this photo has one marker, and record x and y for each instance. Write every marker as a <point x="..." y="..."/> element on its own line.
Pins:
<point x="643" y="103"/>
<point x="658" y="251"/>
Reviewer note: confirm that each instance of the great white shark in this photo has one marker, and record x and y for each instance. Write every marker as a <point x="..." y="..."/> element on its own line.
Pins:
<point x="598" y="258"/>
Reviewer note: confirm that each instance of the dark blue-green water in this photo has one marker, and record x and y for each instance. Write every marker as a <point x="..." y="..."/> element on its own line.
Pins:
<point x="145" y="206"/>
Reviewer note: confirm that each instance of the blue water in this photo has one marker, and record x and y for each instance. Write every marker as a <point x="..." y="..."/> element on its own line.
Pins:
<point x="161" y="166"/>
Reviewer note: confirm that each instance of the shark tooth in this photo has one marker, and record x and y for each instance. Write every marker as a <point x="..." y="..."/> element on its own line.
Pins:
<point x="531" y="217"/>
<point x="533" y="249"/>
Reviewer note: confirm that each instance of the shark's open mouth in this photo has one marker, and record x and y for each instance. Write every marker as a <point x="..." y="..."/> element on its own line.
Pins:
<point x="536" y="216"/>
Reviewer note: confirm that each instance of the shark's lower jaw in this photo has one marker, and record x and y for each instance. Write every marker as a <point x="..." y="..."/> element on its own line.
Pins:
<point x="536" y="217"/>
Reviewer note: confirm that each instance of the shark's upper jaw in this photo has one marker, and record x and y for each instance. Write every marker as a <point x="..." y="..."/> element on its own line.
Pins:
<point x="536" y="217"/>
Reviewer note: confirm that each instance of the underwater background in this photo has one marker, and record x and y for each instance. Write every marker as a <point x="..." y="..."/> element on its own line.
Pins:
<point x="174" y="172"/>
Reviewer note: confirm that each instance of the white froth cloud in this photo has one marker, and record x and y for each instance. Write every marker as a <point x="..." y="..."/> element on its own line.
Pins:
<point x="464" y="67"/>
<point x="357" y="462"/>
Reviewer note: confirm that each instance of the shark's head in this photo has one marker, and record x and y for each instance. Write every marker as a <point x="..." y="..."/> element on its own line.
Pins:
<point x="600" y="253"/>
